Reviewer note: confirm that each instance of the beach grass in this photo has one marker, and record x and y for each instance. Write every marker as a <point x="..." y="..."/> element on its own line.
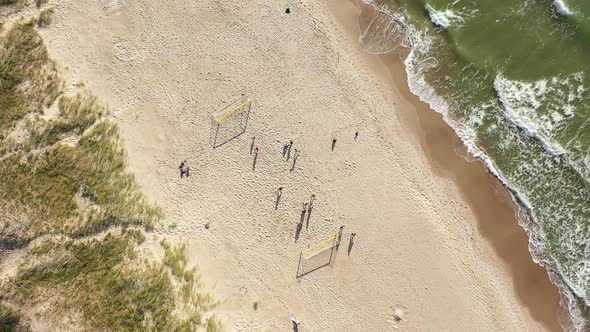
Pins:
<point x="40" y="3"/>
<point x="47" y="180"/>
<point x="110" y="285"/>
<point x="75" y="190"/>
<point x="9" y="320"/>
<point x="12" y="2"/>
<point x="45" y="18"/>
<point x="65" y="183"/>
<point x="25" y="63"/>
<point x="214" y="324"/>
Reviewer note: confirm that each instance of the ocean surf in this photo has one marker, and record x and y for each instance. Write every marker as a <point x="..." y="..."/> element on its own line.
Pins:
<point x="513" y="80"/>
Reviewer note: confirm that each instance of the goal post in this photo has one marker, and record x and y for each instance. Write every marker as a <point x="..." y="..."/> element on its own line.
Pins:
<point x="317" y="256"/>
<point x="222" y="116"/>
<point x="230" y="122"/>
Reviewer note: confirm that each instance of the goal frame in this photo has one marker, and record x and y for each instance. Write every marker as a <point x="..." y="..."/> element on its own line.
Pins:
<point x="331" y="243"/>
<point x="225" y="115"/>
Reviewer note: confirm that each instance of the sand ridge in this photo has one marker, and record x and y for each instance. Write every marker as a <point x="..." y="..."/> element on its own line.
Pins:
<point x="164" y="67"/>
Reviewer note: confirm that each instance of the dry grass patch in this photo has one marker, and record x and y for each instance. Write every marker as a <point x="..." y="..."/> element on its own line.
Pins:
<point x="110" y="285"/>
<point x="45" y="18"/>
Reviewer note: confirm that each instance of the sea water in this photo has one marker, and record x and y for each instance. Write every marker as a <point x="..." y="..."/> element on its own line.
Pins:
<point x="512" y="77"/>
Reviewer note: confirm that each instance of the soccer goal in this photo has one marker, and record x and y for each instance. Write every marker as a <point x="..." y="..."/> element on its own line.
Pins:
<point x="318" y="256"/>
<point x="230" y="122"/>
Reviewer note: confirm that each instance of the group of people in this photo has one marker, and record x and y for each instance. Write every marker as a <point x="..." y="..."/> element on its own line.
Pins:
<point x="311" y="200"/>
<point x="307" y="206"/>
<point x="184" y="169"/>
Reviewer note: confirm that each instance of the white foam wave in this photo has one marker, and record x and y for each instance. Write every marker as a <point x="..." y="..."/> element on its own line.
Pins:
<point x="522" y="102"/>
<point x="381" y="34"/>
<point x="445" y="18"/>
<point x="561" y="8"/>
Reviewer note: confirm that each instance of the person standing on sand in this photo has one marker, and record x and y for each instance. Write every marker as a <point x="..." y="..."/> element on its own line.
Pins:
<point x="279" y="193"/>
<point x="351" y="243"/>
<point x="181" y="168"/>
<point x="278" y="199"/>
<point x="296" y="323"/>
<point x="356" y="134"/>
<point x="288" y="152"/>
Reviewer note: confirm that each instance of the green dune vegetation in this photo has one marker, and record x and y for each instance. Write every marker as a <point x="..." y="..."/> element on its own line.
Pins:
<point x="77" y="216"/>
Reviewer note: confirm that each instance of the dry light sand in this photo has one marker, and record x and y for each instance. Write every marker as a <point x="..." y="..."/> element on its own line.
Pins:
<point x="421" y="260"/>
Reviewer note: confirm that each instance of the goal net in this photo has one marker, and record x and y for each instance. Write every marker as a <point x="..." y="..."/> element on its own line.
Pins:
<point x="230" y="122"/>
<point x="318" y="256"/>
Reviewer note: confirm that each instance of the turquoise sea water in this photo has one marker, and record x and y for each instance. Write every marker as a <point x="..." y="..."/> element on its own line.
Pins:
<point x="513" y="78"/>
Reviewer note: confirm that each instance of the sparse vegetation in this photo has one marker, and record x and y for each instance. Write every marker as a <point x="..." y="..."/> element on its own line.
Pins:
<point x="64" y="178"/>
<point x="12" y="2"/>
<point x="24" y="63"/>
<point x="46" y="180"/>
<point x="214" y="324"/>
<point x="45" y="18"/>
<point x="118" y="291"/>
<point x="40" y="3"/>
<point x="9" y="320"/>
<point x="50" y="181"/>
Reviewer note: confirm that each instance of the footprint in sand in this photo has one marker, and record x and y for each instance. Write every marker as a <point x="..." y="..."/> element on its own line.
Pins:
<point x="243" y="290"/>
<point x="125" y="52"/>
<point x="110" y="6"/>
<point x="397" y="316"/>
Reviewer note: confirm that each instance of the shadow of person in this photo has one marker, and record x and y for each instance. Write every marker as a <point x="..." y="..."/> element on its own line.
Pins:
<point x="278" y="200"/>
<point x="295" y="324"/>
<point x="254" y="162"/>
<point x="339" y="237"/>
<point x="252" y="145"/>
<point x="333" y="144"/>
<point x="350" y="244"/>
<point x="298" y="230"/>
<point x="294" y="161"/>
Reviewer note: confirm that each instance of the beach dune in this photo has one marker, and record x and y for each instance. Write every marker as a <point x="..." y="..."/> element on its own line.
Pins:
<point x="426" y="255"/>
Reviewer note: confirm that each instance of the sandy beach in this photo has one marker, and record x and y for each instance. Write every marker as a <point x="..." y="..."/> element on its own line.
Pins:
<point x="437" y="244"/>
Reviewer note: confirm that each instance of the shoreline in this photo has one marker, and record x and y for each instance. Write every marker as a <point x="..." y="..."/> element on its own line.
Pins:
<point x="489" y="199"/>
